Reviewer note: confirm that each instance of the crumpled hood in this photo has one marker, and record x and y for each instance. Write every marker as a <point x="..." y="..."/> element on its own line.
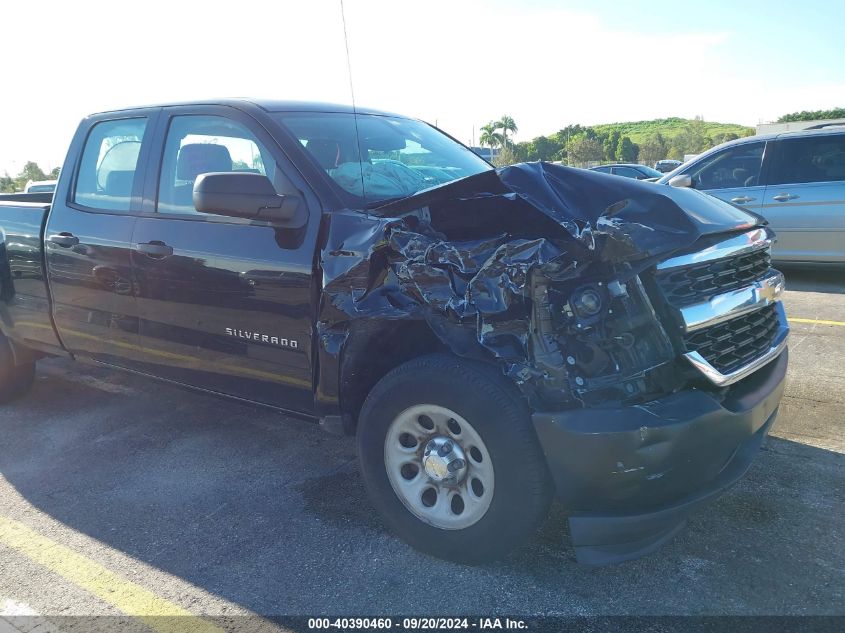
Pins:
<point x="617" y="218"/>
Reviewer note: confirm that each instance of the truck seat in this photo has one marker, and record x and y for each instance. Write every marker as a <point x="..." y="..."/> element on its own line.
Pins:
<point x="201" y="158"/>
<point x="195" y="159"/>
<point x="119" y="183"/>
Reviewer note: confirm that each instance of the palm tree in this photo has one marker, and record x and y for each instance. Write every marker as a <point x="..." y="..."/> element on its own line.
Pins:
<point x="490" y="137"/>
<point x="506" y="124"/>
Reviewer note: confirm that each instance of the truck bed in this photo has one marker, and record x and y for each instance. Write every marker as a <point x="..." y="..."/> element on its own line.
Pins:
<point x="24" y="297"/>
<point x="40" y="198"/>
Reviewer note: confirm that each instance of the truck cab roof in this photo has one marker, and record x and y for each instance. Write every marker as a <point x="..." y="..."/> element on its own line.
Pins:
<point x="268" y="105"/>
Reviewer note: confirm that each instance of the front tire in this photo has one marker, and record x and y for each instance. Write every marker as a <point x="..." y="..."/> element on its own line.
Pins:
<point x="450" y="459"/>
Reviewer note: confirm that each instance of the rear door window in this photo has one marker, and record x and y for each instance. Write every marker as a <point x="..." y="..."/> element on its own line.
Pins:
<point x="809" y="159"/>
<point x="734" y="167"/>
<point x="109" y="161"/>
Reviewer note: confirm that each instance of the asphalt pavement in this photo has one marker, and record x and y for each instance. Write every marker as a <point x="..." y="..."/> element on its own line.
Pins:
<point x="120" y="494"/>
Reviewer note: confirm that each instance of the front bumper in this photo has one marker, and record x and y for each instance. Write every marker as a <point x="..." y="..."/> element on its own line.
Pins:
<point x="630" y="476"/>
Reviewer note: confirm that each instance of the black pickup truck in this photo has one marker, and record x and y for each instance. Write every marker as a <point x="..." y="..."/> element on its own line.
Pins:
<point x="494" y="338"/>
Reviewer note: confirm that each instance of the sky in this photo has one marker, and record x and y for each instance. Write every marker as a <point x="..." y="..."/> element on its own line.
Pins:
<point x="456" y="63"/>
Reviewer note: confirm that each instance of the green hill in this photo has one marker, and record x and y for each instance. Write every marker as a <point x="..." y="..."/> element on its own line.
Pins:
<point x="639" y="131"/>
<point x="643" y="141"/>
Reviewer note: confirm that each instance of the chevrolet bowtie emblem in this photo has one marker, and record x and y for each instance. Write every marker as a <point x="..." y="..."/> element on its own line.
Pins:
<point x="771" y="288"/>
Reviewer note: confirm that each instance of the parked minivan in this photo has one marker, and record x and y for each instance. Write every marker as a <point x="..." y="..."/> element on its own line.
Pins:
<point x="796" y="180"/>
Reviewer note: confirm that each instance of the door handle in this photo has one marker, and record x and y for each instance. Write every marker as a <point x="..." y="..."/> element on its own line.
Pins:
<point x="783" y="197"/>
<point x="742" y="199"/>
<point x="155" y="249"/>
<point x="64" y="239"/>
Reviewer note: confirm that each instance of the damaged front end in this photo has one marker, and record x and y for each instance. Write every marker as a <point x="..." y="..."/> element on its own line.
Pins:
<point x="535" y="267"/>
<point x="641" y="322"/>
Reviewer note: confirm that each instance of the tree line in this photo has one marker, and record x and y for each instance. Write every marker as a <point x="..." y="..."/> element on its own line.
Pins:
<point x="581" y="145"/>
<point x="30" y="171"/>
<point x="813" y="115"/>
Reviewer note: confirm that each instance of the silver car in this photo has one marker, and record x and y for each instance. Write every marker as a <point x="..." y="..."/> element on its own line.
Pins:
<point x="796" y="180"/>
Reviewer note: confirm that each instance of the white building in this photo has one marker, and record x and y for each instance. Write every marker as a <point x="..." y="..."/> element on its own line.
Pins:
<point x="793" y="126"/>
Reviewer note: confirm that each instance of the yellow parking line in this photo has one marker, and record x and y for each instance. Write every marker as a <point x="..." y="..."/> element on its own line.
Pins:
<point x="818" y="321"/>
<point x="110" y="587"/>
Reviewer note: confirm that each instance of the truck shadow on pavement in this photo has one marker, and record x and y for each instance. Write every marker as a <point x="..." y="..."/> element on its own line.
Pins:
<point x="271" y="515"/>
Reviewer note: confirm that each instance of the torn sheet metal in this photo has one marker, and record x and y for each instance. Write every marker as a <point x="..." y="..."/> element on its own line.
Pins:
<point x="459" y="256"/>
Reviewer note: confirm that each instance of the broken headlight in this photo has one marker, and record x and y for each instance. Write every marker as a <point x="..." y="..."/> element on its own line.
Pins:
<point x="586" y="302"/>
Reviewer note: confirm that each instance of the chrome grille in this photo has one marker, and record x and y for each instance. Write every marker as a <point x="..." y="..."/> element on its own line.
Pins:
<point x="698" y="282"/>
<point x="725" y="299"/>
<point x="730" y="345"/>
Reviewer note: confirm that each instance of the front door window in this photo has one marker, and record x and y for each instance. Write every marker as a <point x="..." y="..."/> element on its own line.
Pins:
<point x="732" y="168"/>
<point x="202" y="144"/>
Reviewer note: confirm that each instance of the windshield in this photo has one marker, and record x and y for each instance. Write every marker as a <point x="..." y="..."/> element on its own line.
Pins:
<point x="398" y="157"/>
<point x="650" y="173"/>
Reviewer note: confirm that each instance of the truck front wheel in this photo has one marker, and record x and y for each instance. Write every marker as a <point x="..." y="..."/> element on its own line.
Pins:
<point x="450" y="459"/>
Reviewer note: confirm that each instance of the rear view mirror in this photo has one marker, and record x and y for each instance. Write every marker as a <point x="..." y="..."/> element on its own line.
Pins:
<point x="392" y="143"/>
<point x="242" y="195"/>
<point x="681" y="180"/>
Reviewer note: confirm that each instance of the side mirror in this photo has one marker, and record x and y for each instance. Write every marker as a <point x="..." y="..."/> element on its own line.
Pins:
<point x="681" y="180"/>
<point x="242" y="195"/>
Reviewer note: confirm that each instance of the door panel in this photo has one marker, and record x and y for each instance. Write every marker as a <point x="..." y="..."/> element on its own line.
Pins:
<point x="750" y="198"/>
<point x="224" y="304"/>
<point x="88" y="238"/>
<point x="805" y="198"/>
<point x="91" y="285"/>
<point x="229" y="310"/>
<point x="809" y="220"/>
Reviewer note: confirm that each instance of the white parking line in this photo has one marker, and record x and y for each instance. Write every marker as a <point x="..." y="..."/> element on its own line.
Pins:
<point x="17" y="617"/>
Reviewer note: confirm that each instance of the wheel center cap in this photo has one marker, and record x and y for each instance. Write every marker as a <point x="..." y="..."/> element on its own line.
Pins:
<point x="444" y="460"/>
